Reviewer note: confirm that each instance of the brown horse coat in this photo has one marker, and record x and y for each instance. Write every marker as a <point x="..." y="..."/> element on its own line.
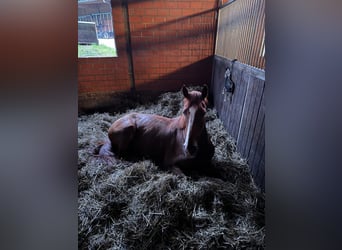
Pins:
<point x="173" y="143"/>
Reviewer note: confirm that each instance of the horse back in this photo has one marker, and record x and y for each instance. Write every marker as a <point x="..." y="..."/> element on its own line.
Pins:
<point x="154" y="137"/>
<point x="142" y="135"/>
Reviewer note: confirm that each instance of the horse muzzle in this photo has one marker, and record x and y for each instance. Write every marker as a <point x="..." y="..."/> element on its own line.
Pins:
<point x="191" y="149"/>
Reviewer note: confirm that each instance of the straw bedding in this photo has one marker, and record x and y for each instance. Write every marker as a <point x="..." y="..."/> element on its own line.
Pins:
<point x="135" y="205"/>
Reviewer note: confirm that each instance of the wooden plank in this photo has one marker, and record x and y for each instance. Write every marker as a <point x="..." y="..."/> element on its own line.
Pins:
<point x="220" y="65"/>
<point x="253" y="157"/>
<point x="258" y="149"/>
<point x="239" y="102"/>
<point x="233" y="102"/>
<point x="256" y="95"/>
<point x="259" y="175"/>
<point x="246" y="120"/>
<point x="257" y="135"/>
<point x="222" y="96"/>
<point x="231" y="117"/>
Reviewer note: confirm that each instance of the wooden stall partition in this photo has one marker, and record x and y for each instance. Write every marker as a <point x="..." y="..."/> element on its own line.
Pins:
<point x="241" y="32"/>
<point x="240" y="35"/>
<point x="243" y="113"/>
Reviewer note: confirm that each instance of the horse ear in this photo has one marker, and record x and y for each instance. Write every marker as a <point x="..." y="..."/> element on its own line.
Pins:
<point x="185" y="91"/>
<point x="204" y="91"/>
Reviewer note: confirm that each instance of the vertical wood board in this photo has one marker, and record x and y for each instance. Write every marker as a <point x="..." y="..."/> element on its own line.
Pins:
<point x="244" y="116"/>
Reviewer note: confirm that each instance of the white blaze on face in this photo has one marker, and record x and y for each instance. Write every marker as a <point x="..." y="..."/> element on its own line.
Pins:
<point x="192" y="112"/>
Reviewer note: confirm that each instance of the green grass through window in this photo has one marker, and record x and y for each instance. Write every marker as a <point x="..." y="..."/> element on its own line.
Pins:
<point x="96" y="51"/>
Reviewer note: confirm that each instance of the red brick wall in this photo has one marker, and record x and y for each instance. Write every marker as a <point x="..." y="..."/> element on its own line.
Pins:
<point x="172" y="41"/>
<point x="96" y="75"/>
<point x="172" y="44"/>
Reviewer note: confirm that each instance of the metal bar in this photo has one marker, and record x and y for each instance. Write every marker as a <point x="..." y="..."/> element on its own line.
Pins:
<point x="128" y="45"/>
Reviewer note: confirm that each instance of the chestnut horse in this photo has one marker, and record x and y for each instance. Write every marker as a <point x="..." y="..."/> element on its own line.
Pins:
<point x="173" y="143"/>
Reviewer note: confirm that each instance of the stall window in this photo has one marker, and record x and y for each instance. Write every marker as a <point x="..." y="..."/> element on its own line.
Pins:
<point x="95" y="29"/>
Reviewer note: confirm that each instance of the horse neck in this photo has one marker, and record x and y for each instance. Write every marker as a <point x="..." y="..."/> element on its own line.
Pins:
<point x="181" y="122"/>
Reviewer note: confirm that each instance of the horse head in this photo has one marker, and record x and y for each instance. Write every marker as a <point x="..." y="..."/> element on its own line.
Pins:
<point x="195" y="104"/>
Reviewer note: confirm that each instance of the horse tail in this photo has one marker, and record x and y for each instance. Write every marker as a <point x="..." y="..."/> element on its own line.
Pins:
<point x="103" y="149"/>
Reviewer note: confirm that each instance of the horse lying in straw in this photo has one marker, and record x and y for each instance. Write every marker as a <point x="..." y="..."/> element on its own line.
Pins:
<point x="173" y="143"/>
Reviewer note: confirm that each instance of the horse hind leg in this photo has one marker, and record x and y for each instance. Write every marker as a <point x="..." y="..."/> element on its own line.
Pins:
<point x="103" y="149"/>
<point x="121" y="137"/>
